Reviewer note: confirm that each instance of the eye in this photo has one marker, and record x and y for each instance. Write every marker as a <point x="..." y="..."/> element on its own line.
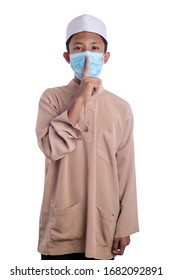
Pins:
<point x="95" y="48"/>
<point x="78" y="49"/>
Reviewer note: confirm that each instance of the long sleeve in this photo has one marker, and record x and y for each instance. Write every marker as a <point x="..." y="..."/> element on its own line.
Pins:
<point x="127" y="222"/>
<point x="55" y="134"/>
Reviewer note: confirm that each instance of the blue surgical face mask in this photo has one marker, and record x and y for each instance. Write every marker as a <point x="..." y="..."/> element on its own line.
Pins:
<point x="77" y="62"/>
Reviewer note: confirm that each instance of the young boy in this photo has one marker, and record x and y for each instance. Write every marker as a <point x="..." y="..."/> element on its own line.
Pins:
<point x="89" y="207"/>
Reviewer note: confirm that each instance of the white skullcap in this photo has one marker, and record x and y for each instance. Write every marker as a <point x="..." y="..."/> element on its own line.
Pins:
<point x="86" y="23"/>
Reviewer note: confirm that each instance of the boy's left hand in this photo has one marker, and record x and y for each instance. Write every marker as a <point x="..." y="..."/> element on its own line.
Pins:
<point x="119" y="245"/>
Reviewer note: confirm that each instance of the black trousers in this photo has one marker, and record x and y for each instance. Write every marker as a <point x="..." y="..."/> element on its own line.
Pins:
<point x="74" y="256"/>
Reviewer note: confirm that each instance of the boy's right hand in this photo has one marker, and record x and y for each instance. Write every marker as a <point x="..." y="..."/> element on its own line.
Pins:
<point x="89" y="86"/>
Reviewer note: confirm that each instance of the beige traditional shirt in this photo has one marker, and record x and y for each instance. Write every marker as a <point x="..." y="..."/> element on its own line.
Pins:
<point x="90" y="189"/>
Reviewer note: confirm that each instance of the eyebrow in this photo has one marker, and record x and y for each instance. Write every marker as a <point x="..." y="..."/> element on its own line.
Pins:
<point x="80" y="43"/>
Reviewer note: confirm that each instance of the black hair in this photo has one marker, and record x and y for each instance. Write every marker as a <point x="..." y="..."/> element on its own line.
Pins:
<point x="69" y="39"/>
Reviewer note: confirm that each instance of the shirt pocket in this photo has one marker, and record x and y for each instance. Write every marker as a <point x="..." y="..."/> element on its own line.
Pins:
<point x="106" y="223"/>
<point x="106" y="146"/>
<point x="66" y="224"/>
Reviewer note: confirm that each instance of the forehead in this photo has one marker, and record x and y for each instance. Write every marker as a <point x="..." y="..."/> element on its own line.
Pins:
<point x="86" y="37"/>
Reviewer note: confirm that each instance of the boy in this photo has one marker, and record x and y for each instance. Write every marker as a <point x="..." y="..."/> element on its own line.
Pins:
<point x="89" y="207"/>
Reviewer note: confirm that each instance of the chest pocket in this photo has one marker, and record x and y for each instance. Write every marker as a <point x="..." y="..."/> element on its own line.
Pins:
<point x="106" y="146"/>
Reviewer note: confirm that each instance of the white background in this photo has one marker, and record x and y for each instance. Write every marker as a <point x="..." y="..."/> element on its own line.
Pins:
<point x="140" y="70"/>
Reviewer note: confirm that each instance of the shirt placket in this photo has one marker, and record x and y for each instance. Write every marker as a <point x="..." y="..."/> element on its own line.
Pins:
<point x="88" y="116"/>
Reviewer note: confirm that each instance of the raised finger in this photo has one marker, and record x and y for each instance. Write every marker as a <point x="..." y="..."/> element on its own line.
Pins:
<point x="87" y="65"/>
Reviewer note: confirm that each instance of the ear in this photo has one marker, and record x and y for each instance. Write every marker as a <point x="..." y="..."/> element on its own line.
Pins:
<point x="66" y="56"/>
<point x="106" y="57"/>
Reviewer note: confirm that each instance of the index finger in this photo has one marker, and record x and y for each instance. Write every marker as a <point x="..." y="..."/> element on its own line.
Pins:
<point x="87" y="65"/>
<point x="118" y="247"/>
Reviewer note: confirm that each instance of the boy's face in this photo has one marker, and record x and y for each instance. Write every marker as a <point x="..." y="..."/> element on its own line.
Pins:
<point x="86" y="41"/>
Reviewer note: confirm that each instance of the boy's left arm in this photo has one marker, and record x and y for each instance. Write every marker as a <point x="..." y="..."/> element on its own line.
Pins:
<point x="127" y="222"/>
